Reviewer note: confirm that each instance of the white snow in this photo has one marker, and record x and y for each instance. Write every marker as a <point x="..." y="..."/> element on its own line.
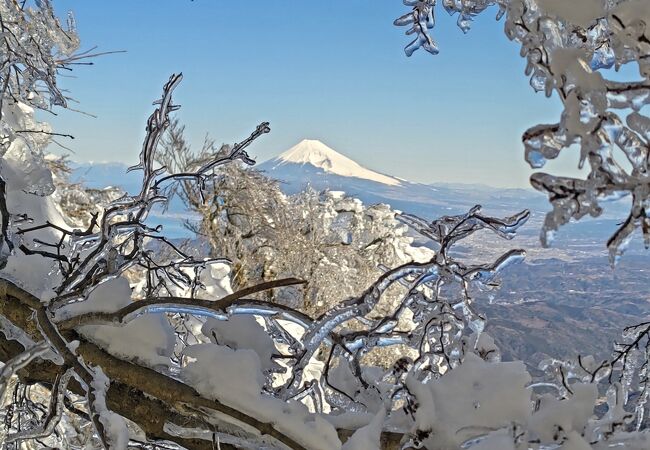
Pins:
<point x="476" y="395"/>
<point x="234" y="378"/>
<point x="239" y="333"/>
<point x="497" y="440"/>
<point x="317" y="154"/>
<point x="108" y="297"/>
<point x="148" y="339"/>
<point x="368" y="437"/>
<point x="569" y="415"/>
<point x="115" y="428"/>
<point x="28" y="182"/>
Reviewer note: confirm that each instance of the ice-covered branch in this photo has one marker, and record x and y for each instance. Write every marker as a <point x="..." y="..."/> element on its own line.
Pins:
<point x="116" y="242"/>
<point x="19" y="361"/>
<point x="440" y="315"/>
<point x="420" y="20"/>
<point x="143" y="395"/>
<point x="54" y="414"/>
<point x="569" y="46"/>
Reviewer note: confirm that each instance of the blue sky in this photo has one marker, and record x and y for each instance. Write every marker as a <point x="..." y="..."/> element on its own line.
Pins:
<point x="332" y="70"/>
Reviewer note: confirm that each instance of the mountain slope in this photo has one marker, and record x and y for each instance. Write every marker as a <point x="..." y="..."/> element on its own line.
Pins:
<point x="312" y="163"/>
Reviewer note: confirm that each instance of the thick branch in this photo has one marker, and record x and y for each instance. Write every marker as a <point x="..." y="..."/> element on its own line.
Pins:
<point x="218" y="306"/>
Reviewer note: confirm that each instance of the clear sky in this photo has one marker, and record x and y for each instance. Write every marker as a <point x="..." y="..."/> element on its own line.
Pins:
<point x="332" y="70"/>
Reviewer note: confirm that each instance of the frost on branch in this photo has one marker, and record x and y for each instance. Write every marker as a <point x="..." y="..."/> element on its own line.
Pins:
<point x="434" y="319"/>
<point x="114" y="241"/>
<point x="569" y="47"/>
<point x="191" y="361"/>
<point x="246" y="372"/>
<point x="34" y="48"/>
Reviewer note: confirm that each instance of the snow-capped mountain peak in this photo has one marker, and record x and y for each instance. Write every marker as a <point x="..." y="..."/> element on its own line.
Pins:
<point x="319" y="155"/>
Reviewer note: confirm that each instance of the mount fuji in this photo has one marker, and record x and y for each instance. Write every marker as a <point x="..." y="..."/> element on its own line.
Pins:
<point x="313" y="163"/>
<point x="321" y="156"/>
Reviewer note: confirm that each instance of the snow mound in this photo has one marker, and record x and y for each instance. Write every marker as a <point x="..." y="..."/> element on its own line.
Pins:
<point x="320" y="155"/>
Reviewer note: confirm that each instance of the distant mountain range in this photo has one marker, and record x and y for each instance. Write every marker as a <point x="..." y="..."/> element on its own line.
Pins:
<point x="316" y="154"/>
<point x="312" y="163"/>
